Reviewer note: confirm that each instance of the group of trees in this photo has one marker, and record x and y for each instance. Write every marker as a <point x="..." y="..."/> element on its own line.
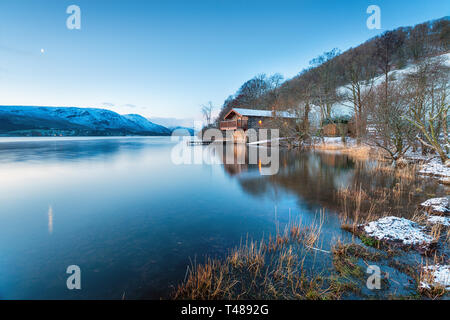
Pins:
<point x="394" y="114"/>
<point x="412" y="108"/>
<point x="260" y="92"/>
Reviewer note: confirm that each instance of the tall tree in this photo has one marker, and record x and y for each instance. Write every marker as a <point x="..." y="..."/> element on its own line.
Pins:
<point x="387" y="46"/>
<point x="326" y="77"/>
<point x="427" y="89"/>
<point x="359" y="74"/>
<point x="391" y="131"/>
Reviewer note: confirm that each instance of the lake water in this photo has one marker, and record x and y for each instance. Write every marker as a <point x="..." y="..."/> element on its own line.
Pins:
<point x="132" y="220"/>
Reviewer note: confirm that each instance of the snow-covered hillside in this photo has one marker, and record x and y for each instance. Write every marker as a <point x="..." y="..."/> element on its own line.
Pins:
<point x="144" y="124"/>
<point x="81" y="120"/>
<point x="174" y="122"/>
<point x="345" y="109"/>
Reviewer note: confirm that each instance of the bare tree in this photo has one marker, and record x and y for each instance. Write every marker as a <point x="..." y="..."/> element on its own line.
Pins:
<point x="386" y="47"/>
<point x="303" y="95"/>
<point x="390" y="130"/>
<point x="272" y="99"/>
<point x="359" y="74"/>
<point x="417" y="43"/>
<point x="427" y="88"/>
<point x="326" y="82"/>
<point x="207" y="112"/>
<point x="251" y="91"/>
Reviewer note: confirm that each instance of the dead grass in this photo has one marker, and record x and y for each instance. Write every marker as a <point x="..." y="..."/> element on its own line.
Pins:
<point x="272" y="269"/>
<point x="361" y="152"/>
<point x="349" y="192"/>
<point x="353" y="214"/>
<point x="257" y="270"/>
<point x="361" y="205"/>
<point x="242" y="275"/>
<point x="439" y="232"/>
<point x="407" y="172"/>
<point x="425" y="276"/>
<point x="341" y="250"/>
<point x="296" y="231"/>
<point x="419" y="217"/>
<point x="436" y="232"/>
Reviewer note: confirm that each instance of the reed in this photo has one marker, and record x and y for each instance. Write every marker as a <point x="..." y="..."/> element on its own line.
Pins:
<point x="426" y="284"/>
<point x="272" y="269"/>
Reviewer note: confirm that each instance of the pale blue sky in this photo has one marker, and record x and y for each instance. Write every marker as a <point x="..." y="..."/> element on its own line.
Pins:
<point x="166" y="58"/>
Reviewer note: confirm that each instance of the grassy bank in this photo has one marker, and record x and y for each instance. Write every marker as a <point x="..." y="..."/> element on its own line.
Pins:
<point x="268" y="269"/>
<point x="279" y="267"/>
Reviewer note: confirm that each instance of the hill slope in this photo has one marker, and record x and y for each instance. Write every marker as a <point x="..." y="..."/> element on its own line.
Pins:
<point x="392" y="50"/>
<point x="30" y="120"/>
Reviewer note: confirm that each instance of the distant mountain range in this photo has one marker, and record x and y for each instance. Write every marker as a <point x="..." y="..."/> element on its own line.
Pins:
<point x="71" y="121"/>
<point x="173" y="122"/>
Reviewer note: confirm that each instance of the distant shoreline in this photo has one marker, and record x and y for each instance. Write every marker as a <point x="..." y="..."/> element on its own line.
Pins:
<point x="85" y="135"/>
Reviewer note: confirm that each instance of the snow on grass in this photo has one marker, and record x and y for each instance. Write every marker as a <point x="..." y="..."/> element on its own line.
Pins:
<point x="435" y="168"/>
<point x="445" y="180"/>
<point x="334" y="141"/>
<point x="445" y="221"/>
<point x="437" y="206"/>
<point x="398" y="230"/>
<point x="440" y="275"/>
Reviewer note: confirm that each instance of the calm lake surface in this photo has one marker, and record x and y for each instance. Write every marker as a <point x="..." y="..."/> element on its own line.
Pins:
<point x="132" y="220"/>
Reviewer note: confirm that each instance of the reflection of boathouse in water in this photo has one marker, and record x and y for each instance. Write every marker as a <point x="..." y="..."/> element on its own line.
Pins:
<point x="240" y="158"/>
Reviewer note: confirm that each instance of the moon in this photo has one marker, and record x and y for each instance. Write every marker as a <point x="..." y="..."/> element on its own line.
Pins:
<point x="42" y="50"/>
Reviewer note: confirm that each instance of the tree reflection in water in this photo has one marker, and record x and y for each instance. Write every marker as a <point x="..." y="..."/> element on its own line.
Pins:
<point x="320" y="179"/>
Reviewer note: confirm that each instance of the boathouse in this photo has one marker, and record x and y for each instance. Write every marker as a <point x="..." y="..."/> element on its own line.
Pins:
<point x="244" y="119"/>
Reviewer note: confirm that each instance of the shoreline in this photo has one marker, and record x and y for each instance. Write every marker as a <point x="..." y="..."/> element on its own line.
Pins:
<point x="347" y="278"/>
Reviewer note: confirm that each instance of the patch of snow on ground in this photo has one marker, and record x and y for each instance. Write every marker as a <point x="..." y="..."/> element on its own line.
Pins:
<point x="437" y="205"/>
<point x="445" y="221"/>
<point x="398" y="229"/>
<point x="416" y="155"/>
<point x="334" y="141"/>
<point x="435" y="168"/>
<point x="441" y="276"/>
